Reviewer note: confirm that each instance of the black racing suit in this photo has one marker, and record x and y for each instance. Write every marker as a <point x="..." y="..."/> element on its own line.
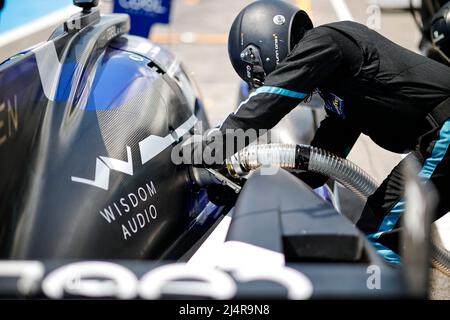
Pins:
<point x="373" y="86"/>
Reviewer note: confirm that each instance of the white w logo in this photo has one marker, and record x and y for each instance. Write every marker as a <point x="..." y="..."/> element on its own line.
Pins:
<point x="149" y="148"/>
<point x="103" y="166"/>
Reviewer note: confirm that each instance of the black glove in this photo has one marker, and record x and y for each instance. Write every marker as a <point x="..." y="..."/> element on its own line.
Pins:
<point x="222" y="195"/>
<point x="198" y="152"/>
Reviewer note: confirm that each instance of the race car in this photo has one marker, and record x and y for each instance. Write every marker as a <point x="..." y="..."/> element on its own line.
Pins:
<point x="90" y="122"/>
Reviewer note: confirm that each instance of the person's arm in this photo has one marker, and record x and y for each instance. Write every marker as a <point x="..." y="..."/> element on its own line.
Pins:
<point x="310" y="63"/>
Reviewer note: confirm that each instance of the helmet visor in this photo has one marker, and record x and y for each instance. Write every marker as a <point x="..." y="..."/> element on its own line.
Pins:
<point x="254" y="65"/>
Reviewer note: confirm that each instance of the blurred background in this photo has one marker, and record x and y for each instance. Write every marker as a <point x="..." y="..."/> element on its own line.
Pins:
<point x="197" y="34"/>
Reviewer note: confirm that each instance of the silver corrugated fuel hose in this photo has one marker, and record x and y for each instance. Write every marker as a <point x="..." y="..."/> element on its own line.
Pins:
<point x="342" y="170"/>
<point x="440" y="258"/>
<point x="303" y="157"/>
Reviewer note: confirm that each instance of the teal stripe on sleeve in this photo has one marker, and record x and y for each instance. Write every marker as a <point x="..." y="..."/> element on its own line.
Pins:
<point x="273" y="90"/>
<point x="282" y="92"/>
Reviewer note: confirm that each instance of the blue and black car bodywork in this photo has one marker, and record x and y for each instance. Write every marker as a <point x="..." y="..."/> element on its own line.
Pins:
<point x="90" y="118"/>
<point x="88" y="121"/>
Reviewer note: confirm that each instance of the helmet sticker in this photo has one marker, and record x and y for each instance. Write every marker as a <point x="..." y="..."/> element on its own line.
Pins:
<point x="254" y="66"/>
<point x="279" y="20"/>
<point x="276" y="47"/>
<point x="437" y="36"/>
<point x="249" y="71"/>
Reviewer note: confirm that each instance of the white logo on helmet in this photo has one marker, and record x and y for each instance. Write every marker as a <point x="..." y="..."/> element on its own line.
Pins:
<point x="438" y="36"/>
<point x="249" y="72"/>
<point x="279" y="19"/>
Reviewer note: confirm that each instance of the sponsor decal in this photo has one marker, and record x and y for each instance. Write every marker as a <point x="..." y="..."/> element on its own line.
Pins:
<point x="101" y="279"/>
<point x="135" y="57"/>
<point x="249" y="71"/>
<point x="112" y="32"/>
<point x="9" y="119"/>
<point x="334" y="104"/>
<point x="144" y="13"/>
<point x="103" y="167"/>
<point x="279" y="20"/>
<point x="127" y="205"/>
<point x="277" y="48"/>
<point x="151" y="6"/>
<point x="438" y="36"/>
<point x="137" y="206"/>
<point x="149" y="148"/>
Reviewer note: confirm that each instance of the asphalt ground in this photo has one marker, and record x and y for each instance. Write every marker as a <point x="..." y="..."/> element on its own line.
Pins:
<point x="197" y="35"/>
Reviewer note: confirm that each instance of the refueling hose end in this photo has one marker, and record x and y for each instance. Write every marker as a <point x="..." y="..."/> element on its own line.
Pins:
<point x="302" y="154"/>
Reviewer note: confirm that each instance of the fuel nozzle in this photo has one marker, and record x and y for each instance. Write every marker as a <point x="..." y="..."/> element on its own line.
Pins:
<point x="254" y="156"/>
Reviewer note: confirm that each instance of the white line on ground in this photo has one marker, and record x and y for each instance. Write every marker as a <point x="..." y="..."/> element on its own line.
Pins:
<point x="342" y="10"/>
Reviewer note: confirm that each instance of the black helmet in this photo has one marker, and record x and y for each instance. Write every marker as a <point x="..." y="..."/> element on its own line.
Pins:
<point x="440" y="32"/>
<point x="262" y="35"/>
